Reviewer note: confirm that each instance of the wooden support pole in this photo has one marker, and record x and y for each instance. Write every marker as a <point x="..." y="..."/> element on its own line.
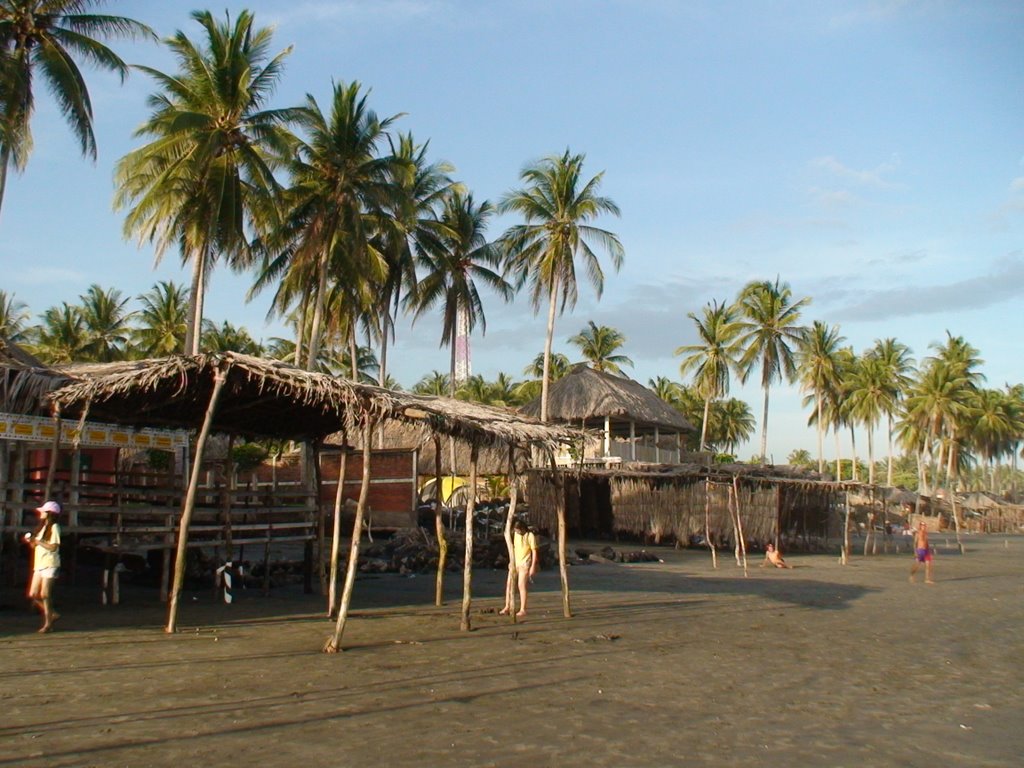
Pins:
<point x="333" y="644"/>
<point x="190" y="501"/>
<point x="563" y="569"/>
<point x="513" y="574"/>
<point x="339" y="503"/>
<point x="4" y="471"/>
<point x="442" y="539"/>
<point x="739" y="523"/>
<point x="51" y="473"/>
<point x="707" y="523"/>
<point x="467" y="563"/>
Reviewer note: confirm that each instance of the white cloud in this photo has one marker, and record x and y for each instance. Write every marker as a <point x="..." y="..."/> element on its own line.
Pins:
<point x="1004" y="281"/>
<point x="874" y="177"/>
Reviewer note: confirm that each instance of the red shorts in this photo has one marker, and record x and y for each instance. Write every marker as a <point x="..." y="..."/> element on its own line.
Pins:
<point x="924" y="555"/>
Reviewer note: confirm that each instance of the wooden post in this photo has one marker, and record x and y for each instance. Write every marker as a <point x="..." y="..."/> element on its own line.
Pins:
<point x="707" y="523"/>
<point x="739" y="523"/>
<point x="54" y="454"/>
<point x="321" y="519"/>
<point x="229" y="477"/>
<point x="190" y="500"/>
<point x="333" y="644"/>
<point x="467" y="563"/>
<point x="4" y="470"/>
<point x="442" y="539"/>
<point x="339" y="503"/>
<point x="563" y="569"/>
<point x="513" y="574"/>
<point x="845" y="559"/>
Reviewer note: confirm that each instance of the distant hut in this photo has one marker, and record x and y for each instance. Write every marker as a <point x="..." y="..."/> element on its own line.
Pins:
<point x="633" y="423"/>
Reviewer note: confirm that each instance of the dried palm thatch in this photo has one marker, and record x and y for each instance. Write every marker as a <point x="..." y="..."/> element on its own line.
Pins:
<point x="269" y="398"/>
<point x="25" y="381"/>
<point x="586" y="396"/>
<point x="261" y="398"/>
<point x="491" y="459"/>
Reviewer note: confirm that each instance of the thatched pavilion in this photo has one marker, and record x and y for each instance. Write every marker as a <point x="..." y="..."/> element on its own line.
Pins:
<point x="634" y="423"/>
<point x="716" y="504"/>
<point x="238" y="394"/>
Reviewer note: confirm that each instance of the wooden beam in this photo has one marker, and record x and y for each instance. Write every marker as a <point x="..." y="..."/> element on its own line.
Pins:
<point x="190" y="500"/>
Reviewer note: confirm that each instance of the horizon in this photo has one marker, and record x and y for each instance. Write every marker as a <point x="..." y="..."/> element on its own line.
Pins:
<point x="867" y="154"/>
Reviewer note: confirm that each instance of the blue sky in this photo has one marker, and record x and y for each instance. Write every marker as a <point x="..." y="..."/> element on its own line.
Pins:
<point x="870" y="154"/>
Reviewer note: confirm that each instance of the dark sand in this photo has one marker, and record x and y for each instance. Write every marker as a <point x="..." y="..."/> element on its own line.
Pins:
<point x="663" y="664"/>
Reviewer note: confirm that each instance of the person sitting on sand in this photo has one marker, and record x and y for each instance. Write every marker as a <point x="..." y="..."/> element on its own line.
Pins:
<point x="524" y="545"/>
<point x="772" y="556"/>
<point x="922" y="554"/>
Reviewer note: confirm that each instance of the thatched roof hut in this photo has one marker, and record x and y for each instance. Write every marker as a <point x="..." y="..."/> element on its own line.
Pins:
<point x="614" y="405"/>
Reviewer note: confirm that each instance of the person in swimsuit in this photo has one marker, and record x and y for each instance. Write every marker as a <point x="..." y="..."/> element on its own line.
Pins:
<point x="922" y="554"/>
<point x="45" y="544"/>
<point x="772" y="556"/>
<point x="524" y="545"/>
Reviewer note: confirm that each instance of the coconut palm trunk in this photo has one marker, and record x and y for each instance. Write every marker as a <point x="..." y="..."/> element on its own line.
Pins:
<point x="193" y="331"/>
<point x="318" y="314"/>
<point x="764" y="429"/>
<point x="546" y="377"/>
<point x="704" y="423"/>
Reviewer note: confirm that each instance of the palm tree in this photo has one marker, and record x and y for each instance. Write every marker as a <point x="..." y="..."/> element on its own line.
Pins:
<point x="557" y="207"/>
<point x="228" y="338"/>
<point x="665" y="389"/>
<point x="712" y="358"/>
<point x="342" y="186"/>
<point x="897" y="366"/>
<point x="504" y="391"/>
<point x="207" y="173"/>
<point x="459" y="259"/>
<point x="935" y="401"/>
<point x="412" y="224"/>
<point x="43" y="35"/>
<point x="598" y="345"/>
<point x="62" y="337"/>
<point x="961" y="359"/>
<point x="107" y="323"/>
<point x="768" y="328"/>
<point x="13" y="317"/>
<point x="870" y="397"/>
<point x="160" y="324"/>
<point x="558" y="366"/>
<point x="993" y="426"/>
<point x="818" y="363"/>
<point x="733" y="423"/>
<point x="434" y="383"/>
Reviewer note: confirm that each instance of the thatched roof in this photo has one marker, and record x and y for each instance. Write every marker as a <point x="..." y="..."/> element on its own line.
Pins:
<point x="269" y="398"/>
<point x="491" y="459"/>
<point x="25" y="380"/>
<point x="586" y="396"/>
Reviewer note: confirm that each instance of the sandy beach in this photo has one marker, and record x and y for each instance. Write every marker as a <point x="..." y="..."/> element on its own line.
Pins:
<point x="669" y="663"/>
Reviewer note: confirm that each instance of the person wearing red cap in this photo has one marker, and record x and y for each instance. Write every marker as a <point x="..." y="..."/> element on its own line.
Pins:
<point x="45" y="543"/>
